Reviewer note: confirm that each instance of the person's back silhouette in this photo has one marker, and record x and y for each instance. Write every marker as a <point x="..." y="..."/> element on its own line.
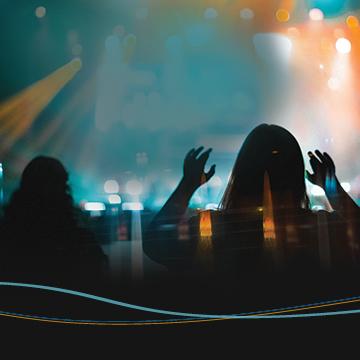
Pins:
<point x="40" y="237"/>
<point x="264" y="219"/>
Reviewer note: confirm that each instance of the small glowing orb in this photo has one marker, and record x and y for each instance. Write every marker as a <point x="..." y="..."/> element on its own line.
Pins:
<point x="343" y="46"/>
<point x="282" y="15"/>
<point x="40" y="12"/>
<point x="316" y="14"/>
<point x="114" y="199"/>
<point x="246" y="14"/>
<point x="210" y="13"/>
<point x="352" y="22"/>
<point x="321" y="66"/>
<point x="317" y="191"/>
<point x="334" y="83"/>
<point x="134" y="187"/>
<point x="111" y="186"/>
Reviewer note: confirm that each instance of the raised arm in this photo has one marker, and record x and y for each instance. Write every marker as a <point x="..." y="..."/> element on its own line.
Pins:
<point x="324" y="176"/>
<point x="161" y="238"/>
<point x="194" y="176"/>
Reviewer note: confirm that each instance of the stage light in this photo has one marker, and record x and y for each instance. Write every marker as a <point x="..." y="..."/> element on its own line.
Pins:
<point x="111" y="186"/>
<point x="246" y="14"/>
<point x="282" y="15"/>
<point x="329" y="7"/>
<point x="132" y="206"/>
<point x="343" y="46"/>
<point x="40" y="12"/>
<point x="19" y="112"/>
<point x="94" y="206"/>
<point x="114" y="199"/>
<point x="210" y="13"/>
<point x="316" y="14"/>
<point x="352" y="22"/>
<point x="334" y="83"/>
<point x="317" y="191"/>
<point x="346" y="186"/>
<point x="134" y="187"/>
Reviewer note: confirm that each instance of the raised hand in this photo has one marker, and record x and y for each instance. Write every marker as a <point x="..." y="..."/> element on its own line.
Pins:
<point x="194" y="168"/>
<point x="323" y="168"/>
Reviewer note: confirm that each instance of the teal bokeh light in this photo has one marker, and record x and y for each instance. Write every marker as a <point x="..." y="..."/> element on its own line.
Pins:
<point x="330" y="7"/>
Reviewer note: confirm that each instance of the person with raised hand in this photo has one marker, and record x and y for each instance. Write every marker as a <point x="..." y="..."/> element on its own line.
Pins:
<point x="324" y="175"/>
<point x="161" y="237"/>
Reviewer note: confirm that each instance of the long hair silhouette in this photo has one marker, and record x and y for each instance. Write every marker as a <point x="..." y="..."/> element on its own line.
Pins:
<point x="40" y="211"/>
<point x="271" y="150"/>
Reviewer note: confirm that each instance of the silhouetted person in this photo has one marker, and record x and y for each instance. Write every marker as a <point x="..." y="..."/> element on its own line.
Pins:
<point x="264" y="221"/>
<point x="40" y="237"/>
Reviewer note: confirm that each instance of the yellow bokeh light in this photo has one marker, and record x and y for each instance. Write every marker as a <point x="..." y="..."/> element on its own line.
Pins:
<point x="40" y="12"/>
<point x="282" y="15"/>
<point x="352" y="22"/>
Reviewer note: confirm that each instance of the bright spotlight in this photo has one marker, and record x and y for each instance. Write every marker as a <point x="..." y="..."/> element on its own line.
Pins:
<point x="111" y="186"/>
<point x="94" y="206"/>
<point x="133" y="206"/>
<point x="134" y="187"/>
<point x="114" y="199"/>
<point x="316" y="14"/>
<point x="346" y="186"/>
<point x="317" y="191"/>
<point x="343" y="46"/>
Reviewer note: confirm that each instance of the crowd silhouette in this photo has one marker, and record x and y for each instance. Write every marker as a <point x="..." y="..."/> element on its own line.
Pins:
<point x="264" y="223"/>
<point x="40" y="236"/>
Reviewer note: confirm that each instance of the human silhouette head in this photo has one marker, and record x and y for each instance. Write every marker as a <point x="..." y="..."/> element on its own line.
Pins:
<point x="273" y="150"/>
<point x="42" y="206"/>
<point x="45" y="176"/>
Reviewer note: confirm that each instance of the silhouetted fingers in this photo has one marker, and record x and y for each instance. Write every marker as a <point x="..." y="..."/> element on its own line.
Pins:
<point x="204" y="156"/>
<point x="330" y="161"/>
<point x="210" y="173"/>
<point x="189" y="154"/>
<point x="314" y="161"/>
<point x="197" y="152"/>
<point x="321" y="156"/>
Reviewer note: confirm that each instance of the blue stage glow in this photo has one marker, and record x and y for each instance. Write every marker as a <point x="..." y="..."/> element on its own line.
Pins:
<point x="330" y="7"/>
